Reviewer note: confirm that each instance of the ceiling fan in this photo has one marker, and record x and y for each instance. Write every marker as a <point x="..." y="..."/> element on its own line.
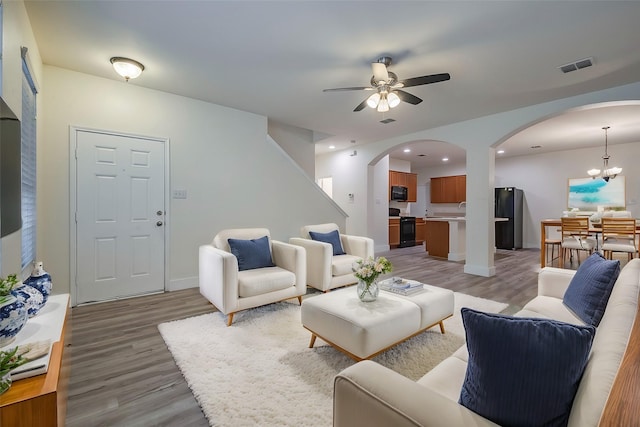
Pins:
<point x="388" y="88"/>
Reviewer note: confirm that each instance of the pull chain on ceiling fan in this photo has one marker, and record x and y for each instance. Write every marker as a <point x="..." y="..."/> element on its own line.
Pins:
<point x="388" y="89"/>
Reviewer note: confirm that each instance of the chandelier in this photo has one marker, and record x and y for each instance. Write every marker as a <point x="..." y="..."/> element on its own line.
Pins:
<point x="607" y="172"/>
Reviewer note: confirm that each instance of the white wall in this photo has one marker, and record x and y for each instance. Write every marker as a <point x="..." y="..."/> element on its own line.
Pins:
<point x="298" y="143"/>
<point x="235" y="175"/>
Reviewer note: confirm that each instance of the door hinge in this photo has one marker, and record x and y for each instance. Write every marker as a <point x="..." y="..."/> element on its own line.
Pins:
<point x="75" y="214"/>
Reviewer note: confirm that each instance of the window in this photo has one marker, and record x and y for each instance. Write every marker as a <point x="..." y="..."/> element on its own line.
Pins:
<point x="28" y="133"/>
<point x="327" y="185"/>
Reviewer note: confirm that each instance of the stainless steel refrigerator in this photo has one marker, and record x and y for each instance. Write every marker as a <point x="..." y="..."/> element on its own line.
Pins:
<point x="509" y="202"/>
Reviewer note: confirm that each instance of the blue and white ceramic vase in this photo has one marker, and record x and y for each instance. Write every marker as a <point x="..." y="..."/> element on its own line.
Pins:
<point x="41" y="280"/>
<point x="32" y="299"/>
<point x="13" y="316"/>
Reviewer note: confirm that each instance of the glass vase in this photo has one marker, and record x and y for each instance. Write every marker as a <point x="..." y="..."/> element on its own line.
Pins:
<point x="368" y="292"/>
<point x="5" y="382"/>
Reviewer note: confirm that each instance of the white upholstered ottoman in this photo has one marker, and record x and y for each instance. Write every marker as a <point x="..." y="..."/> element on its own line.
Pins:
<point x="362" y="330"/>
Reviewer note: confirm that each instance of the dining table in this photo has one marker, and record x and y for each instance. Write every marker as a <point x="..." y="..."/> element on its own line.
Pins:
<point x="593" y="228"/>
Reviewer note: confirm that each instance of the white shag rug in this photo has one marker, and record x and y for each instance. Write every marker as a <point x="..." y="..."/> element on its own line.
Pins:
<point x="260" y="371"/>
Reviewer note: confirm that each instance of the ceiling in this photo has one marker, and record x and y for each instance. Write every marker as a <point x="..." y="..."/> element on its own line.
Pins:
<point x="274" y="58"/>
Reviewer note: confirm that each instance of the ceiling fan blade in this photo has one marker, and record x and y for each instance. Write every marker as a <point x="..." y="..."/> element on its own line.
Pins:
<point x="380" y="73"/>
<point x="339" y="89"/>
<point x="425" y="80"/>
<point x="361" y="106"/>
<point x="407" y="97"/>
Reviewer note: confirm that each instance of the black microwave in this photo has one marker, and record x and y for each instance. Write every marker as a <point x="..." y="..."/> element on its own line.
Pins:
<point x="398" y="193"/>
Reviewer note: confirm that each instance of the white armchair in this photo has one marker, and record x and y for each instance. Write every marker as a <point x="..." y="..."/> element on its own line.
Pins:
<point x="231" y="289"/>
<point x="326" y="271"/>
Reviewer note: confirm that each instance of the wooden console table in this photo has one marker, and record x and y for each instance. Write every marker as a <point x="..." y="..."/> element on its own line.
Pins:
<point x="41" y="400"/>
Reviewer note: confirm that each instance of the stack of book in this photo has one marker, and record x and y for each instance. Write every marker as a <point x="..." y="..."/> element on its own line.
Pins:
<point x="401" y="287"/>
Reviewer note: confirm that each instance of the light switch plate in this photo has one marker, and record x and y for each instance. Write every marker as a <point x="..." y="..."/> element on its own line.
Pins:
<point x="179" y="193"/>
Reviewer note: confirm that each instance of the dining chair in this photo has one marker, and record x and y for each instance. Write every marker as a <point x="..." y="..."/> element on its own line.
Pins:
<point x="575" y="236"/>
<point x="552" y="240"/>
<point x="619" y="235"/>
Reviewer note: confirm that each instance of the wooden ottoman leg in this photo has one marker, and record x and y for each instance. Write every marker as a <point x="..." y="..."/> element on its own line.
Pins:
<point x="441" y="327"/>
<point x="313" y="340"/>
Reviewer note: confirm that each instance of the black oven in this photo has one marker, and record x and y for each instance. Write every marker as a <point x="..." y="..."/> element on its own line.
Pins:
<point x="407" y="231"/>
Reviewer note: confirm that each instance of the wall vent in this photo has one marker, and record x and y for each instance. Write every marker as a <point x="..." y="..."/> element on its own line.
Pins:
<point x="577" y="65"/>
<point x="387" y="121"/>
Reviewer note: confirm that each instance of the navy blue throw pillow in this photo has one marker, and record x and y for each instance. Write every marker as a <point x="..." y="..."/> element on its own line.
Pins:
<point x="590" y="288"/>
<point x="254" y="253"/>
<point x="523" y="371"/>
<point x="332" y="237"/>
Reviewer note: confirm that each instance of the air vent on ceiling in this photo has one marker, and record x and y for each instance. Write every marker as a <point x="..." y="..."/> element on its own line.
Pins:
<point x="387" y="121"/>
<point x="578" y="65"/>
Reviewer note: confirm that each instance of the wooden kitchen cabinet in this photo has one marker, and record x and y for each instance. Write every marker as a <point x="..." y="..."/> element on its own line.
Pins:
<point x="420" y="230"/>
<point x="437" y="238"/>
<point x="394" y="232"/>
<point x="404" y="179"/>
<point x="448" y="189"/>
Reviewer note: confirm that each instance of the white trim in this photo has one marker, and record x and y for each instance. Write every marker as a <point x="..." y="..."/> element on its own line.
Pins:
<point x="73" y="143"/>
<point x="480" y="270"/>
<point x="185" y="283"/>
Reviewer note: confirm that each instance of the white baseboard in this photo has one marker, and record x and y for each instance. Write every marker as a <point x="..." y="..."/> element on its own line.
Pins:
<point x="180" y="284"/>
<point x="480" y="270"/>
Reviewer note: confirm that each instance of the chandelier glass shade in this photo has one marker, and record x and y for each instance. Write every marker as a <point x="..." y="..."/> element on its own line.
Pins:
<point x="127" y="68"/>
<point x="606" y="173"/>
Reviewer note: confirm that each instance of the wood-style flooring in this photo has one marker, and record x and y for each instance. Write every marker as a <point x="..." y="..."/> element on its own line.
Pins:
<point x="123" y="375"/>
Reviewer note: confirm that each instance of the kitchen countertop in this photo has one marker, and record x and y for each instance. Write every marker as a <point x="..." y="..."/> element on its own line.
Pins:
<point x="456" y="218"/>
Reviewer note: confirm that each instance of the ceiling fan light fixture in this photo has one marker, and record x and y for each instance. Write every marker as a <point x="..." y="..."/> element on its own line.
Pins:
<point x="373" y="100"/>
<point x="127" y="68"/>
<point x="393" y="99"/>
<point x="383" y="105"/>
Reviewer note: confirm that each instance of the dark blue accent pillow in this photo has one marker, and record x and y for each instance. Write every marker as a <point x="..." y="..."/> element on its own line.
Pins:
<point x="523" y="371"/>
<point x="254" y="253"/>
<point x="590" y="288"/>
<point x="332" y="237"/>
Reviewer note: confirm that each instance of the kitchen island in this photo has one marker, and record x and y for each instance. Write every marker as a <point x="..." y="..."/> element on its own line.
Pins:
<point x="445" y="236"/>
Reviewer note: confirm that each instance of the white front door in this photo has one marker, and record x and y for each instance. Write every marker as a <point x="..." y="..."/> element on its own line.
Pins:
<point x="120" y="215"/>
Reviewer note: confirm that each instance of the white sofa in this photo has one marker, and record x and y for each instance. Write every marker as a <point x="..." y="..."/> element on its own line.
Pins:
<point x="368" y="394"/>
<point x="326" y="271"/>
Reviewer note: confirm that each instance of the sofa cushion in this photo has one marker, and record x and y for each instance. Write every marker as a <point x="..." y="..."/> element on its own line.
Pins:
<point x="549" y="308"/>
<point x="343" y="264"/>
<point x="523" y="371"/>
<point x="262" y="281"/>
<point x="332" y="237"/>
<point x="254" y="253"/>
<point x="590" y="288"/>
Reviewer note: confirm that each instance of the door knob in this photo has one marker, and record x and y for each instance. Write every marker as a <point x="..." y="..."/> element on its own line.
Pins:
<point x="159" y="223"/>
<point x="159" y="213"/>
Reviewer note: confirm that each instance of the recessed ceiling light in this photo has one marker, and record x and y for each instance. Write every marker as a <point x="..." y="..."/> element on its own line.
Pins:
<point x="407" y="150"/>
<point x="500" y="151"/>
<point x="445" y="159"/>
<point x="331" y="147"/>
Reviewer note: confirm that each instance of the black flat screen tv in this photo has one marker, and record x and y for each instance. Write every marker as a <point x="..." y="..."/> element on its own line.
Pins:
<point x="10" y="171"/>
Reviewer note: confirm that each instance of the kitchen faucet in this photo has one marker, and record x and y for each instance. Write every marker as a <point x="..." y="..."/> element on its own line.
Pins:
<point x="461" y="204"/>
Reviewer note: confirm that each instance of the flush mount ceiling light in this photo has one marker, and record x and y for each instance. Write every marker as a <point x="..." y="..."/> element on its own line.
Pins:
<point x="127" y="68"/>
<point x="607" y="172"/>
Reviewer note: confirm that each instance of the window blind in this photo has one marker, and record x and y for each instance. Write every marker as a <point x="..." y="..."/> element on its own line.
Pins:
<point x="28" y="130"/>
